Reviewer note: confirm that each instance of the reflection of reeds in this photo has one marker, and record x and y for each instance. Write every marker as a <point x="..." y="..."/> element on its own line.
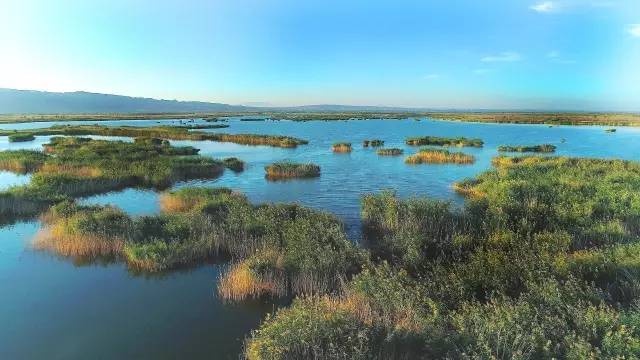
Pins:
<point x="284" y="170"/>
<point x="389" y="152"/>
<point x="428" y="156"/>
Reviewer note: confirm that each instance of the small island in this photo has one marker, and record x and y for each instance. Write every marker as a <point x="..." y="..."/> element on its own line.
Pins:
<point x="432" y="156"/>
<point x="289" y="170"/>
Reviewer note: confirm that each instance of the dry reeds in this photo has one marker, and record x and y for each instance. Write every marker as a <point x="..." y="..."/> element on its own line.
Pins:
<point x="428" y="156"/>
<point x="341" y="147"/>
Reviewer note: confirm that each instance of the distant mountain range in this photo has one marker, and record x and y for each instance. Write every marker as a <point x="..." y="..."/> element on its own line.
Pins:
<point x="14" y="101"/>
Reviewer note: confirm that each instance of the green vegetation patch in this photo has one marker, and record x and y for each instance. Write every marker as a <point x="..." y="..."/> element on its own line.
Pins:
<point x="444" y="141"/>
<point x="71" y="167"/>
<point x="543" y="148"/>
<point x="373" y="143"/>
<point x="284" y="170"/>
<point x="21" y="137"/>
<point x="165" y="132"/>
<point x="281" y="248"/>
<point x="234" y="164"/>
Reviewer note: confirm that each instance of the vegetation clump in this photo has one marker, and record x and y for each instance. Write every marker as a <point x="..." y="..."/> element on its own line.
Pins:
<point x="341" y="147"/>
<point x="71" y="167"/>
<point x="165" y="132"/>
<point x="21" y="137"/>
<point x="285" y="170"/>
<point x="233" y="164"/>
<point x="444" y="141"/>
<point x="431" y="156"/>
<point x="278" y="249"/>
<point x="390" y="152"/>
<point x="373" y="143"/>
<point x="542" y="262"/>
<point x="543" y="148"/>
<point x="610" y="130"/>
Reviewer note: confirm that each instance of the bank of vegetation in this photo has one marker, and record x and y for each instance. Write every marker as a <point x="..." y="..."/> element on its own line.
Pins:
<point x="444" y="141"/>
<point x="373" y="143"/>
<point x="541" y="262"/>
<point x="341" y="147"/>
<point x="71" y="167"/>
<point x="163" y="132"/>
<point x="389" y="152"/>
<point x="21" y="137"/>
<point x="543" y="148"/>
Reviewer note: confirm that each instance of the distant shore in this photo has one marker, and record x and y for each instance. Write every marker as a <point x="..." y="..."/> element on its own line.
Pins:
<point x="561" y="118"/>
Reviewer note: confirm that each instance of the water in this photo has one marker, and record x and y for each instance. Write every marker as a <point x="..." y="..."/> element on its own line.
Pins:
<point x="53" y="308"/>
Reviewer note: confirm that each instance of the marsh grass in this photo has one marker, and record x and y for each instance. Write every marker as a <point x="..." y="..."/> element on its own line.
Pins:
<point x="234" y="164"/>
<point x="285" y="170"/>
<point x="543" y="148"/>
<point x="164" y="132"/>
<point x="444" y="141"/>
<point x="389" y="152"/>
<point x="341" y="147"/>
<point x="431" y="156"/>
<point x="21" y="137"/>
<point x="71" y="167"/>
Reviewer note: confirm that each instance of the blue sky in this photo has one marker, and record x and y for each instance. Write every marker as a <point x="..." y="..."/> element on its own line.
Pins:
<point x="500" y="54"/>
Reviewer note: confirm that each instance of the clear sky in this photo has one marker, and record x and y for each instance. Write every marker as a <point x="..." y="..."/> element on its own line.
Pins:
<point x="506" y="54"/>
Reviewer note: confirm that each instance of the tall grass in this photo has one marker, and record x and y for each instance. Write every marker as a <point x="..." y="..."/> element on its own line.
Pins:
<point x="390" y="152"/>
<point x="234" y="164"/>
<point x="341" y="147"/>
<point x="373" y="143"/>
<point x="430" y="156"/>
<point x="285" y="170"/>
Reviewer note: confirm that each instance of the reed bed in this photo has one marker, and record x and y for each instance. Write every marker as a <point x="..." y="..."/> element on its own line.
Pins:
<point x="543" y="148"/>
<point x="390" y="152"/>
<point x="286" y="170"/>
<point x="164" y="132"/>
<point x="430" y="156"/>
<point x="444" y="141"/>
<point x="21" y="137"/>
<point x="71" y="167"/>
<point x="341" y="147"/>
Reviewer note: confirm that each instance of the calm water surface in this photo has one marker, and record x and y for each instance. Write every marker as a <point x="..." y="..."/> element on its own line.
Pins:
<point x="53" y="308"/>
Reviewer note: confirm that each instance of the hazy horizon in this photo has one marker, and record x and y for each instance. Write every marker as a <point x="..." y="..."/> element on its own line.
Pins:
<point x="497" y="54"/>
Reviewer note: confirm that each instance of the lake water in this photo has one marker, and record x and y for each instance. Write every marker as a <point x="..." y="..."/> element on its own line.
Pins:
<point x="53" y="308"/>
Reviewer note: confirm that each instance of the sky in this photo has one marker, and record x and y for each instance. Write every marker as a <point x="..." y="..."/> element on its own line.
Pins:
<point x="462" y="54"/>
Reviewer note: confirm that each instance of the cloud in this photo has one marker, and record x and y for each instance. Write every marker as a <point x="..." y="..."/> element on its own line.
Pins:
<point x="543" y="7"/>
<point x="507" y="56"/>
<point x="634" y="30"/>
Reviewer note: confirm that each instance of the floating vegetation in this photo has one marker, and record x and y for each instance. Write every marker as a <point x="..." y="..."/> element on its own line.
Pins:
<point x="71" y="167"/>
<point x="234" y="164"/>
<point x="341" y="147"/>
<point x="610" y="130"/>
<point x="285" y="170"/>
<point x="544" y="148"/>
<point x="164" y="132"/>
<point x="389" y="152"/>
<point x="21" y="137"/>
<point x="373" y="143"/>
<point x="432" y="156"/>
<point x="444" y="141"/>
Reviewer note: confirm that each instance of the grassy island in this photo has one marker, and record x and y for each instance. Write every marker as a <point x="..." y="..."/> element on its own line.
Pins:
<point x="444" y="141"/>
<point x="341" y="147"/>
<point x="433" y="156"/>
<point x="21" y="137"/>
<point x="280" y="249"/>
<point x="389" y="152"/>
<point x="71" y="167"/>
<point x="286" y="170"/>
<point x="234" y="164"/>
<point x="544" y="148"/>
<point x="164" y="132"/>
